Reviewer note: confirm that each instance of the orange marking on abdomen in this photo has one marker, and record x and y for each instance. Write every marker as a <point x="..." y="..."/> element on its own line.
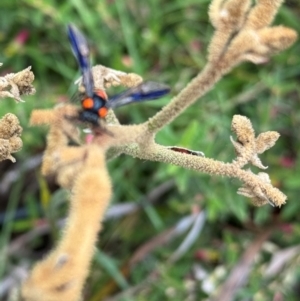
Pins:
<point x="102" y="112"/>
<point x="88" y="103"/>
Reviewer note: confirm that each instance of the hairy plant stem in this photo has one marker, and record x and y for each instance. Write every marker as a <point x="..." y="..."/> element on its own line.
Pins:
<point x="159" y="153"/>
<point x="198" y="87"/>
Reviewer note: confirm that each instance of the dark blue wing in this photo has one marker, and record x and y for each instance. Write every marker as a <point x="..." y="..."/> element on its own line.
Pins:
<point x="81" y="51"/>
<point x="144" y="91"/>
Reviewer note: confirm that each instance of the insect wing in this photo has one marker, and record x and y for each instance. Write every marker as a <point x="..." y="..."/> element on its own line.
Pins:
<point x="81" y="51"/>
<point x="143" y="92"/>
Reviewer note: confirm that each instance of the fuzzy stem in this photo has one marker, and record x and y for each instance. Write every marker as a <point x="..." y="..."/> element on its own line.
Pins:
<point x="199" y="86"/>
<point x="160" y="153"/>
<point x="62" y="274"/>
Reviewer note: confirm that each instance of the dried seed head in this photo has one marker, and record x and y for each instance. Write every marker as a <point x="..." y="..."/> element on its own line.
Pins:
<point x="10" y="132"/>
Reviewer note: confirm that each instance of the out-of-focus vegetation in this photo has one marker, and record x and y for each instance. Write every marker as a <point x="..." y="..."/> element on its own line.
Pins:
<point x="163" y="40"/>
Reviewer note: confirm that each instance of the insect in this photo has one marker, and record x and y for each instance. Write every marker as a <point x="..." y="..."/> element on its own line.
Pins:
<point x="184" y="150"/>
<point x="95" y="103"/>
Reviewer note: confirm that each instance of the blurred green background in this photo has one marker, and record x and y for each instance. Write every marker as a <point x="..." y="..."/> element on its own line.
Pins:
<point x="164" y="40"/>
